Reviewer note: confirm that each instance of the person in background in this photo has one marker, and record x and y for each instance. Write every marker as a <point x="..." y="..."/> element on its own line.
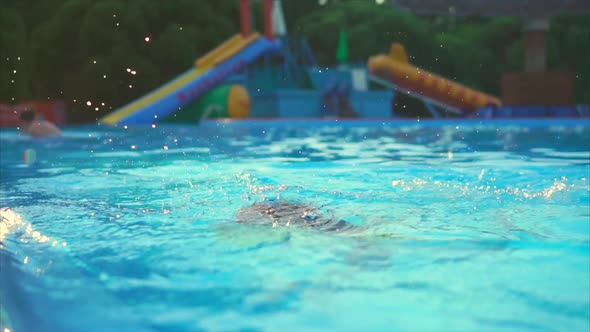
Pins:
<point x="33" y="125"/>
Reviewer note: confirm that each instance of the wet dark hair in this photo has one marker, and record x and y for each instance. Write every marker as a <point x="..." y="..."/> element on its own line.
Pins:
<point x="27" y="115"/>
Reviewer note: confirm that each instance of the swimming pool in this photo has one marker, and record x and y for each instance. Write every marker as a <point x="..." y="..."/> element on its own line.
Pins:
<point x="459" y="226"/>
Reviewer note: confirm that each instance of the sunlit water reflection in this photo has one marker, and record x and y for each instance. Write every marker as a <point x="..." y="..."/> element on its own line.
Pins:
<point x="457" y="226"/>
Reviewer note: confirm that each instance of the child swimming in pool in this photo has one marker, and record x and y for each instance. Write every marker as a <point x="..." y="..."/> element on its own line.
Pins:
<point x="289" y="214"/>
<point x="32" y="125"/>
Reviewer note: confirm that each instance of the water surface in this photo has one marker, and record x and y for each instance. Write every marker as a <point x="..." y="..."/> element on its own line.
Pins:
<point x="459" y="226"/>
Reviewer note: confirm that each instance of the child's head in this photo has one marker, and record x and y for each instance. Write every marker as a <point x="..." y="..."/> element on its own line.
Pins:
<point x="27" y="115"/>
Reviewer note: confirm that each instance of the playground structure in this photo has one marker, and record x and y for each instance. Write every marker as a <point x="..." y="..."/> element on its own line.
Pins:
<point x="274" y="76"/>
<point x="241" y="78"/>
<point x="290" y="84"/>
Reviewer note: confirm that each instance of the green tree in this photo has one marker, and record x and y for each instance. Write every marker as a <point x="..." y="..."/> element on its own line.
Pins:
<point x="477" y="51"/>
<point x="55" y="50"/>
<point x="83" y="51"/>
<point x="14" y="59"/>
<point x="370" y="28"/>
<point x="568" y="46"/>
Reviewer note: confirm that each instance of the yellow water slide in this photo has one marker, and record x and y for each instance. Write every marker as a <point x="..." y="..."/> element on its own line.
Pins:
<point x="210" y="69"/>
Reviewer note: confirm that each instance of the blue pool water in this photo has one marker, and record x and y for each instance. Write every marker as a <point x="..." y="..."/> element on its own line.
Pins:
<point x="458" y="226"/>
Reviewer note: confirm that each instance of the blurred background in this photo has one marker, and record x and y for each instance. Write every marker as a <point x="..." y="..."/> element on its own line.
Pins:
<point x="94" y="56"/>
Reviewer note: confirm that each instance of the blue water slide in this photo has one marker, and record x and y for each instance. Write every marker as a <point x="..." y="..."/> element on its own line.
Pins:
<point x="189" y="86"/>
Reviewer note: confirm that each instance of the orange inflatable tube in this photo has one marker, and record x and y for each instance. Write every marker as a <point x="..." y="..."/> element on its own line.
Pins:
<point x="395" y="68"/>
